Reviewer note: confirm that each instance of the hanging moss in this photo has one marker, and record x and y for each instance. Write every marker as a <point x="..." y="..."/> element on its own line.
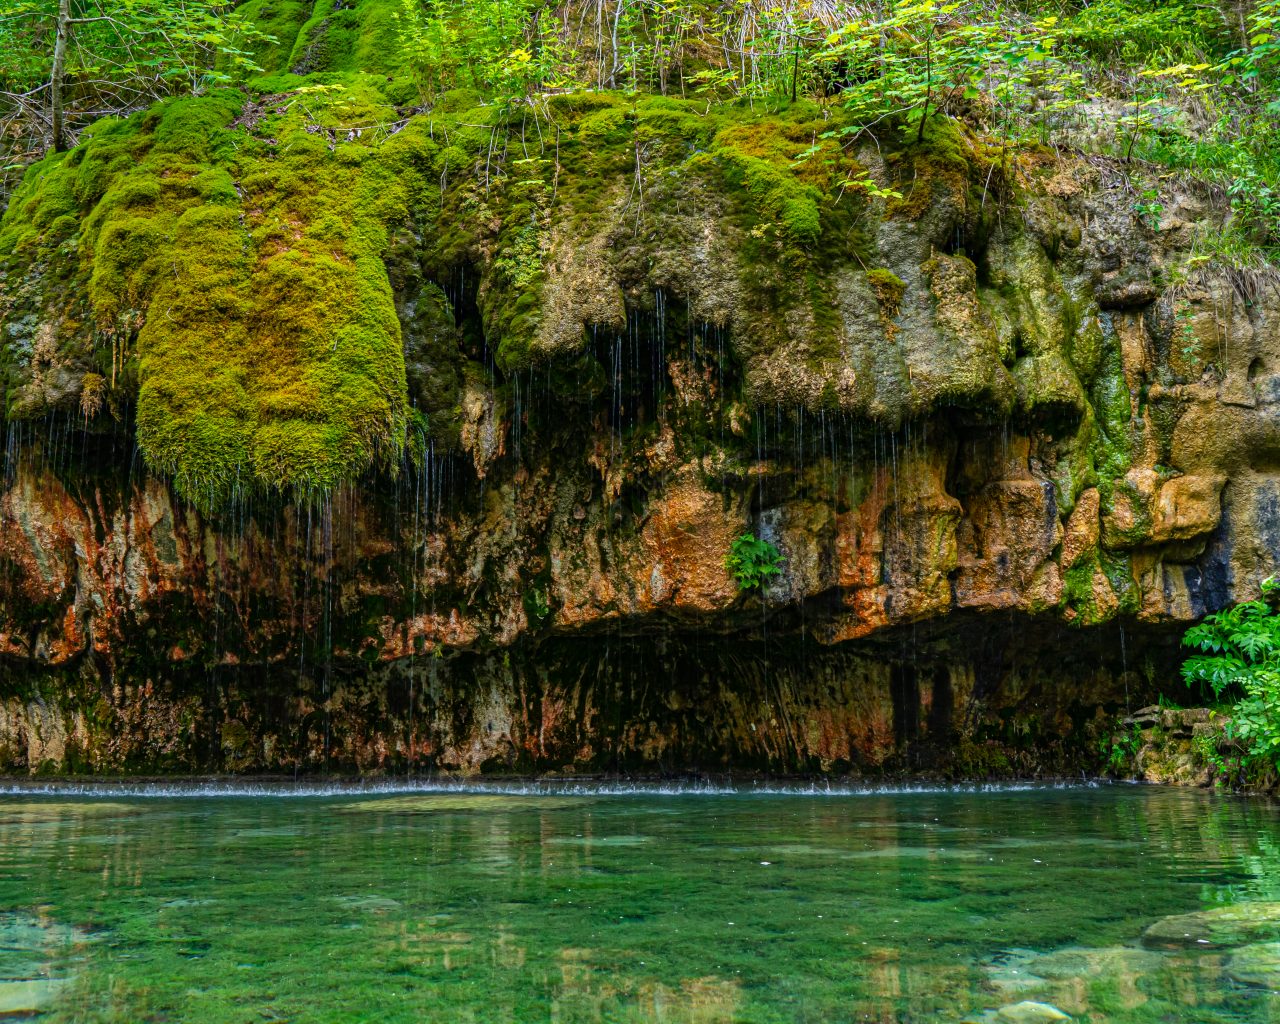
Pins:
<point x="1114" y="443"/>
<point x="251" y="282"/>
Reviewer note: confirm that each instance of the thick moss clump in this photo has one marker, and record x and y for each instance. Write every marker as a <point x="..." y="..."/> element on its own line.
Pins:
<point x="323" y="35"/>
<point x="888" y="288"/>
<point x="246" y="277"/>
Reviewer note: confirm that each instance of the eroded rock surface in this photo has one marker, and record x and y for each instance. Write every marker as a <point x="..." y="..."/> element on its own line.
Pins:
<point x="1007" y="443"/>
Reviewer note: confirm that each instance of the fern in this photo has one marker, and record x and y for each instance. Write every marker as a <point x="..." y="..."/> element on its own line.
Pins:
<point x="751" y="561"/>
<point x="1240" y="658"/>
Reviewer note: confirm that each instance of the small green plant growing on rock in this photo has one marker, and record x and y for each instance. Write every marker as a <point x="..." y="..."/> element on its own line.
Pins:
<point x="1240" y="658"/>
<point x="536" y="605"/>
<point x="864" y="183"/>
<point x="1121" y="748"/>
<point x="1206" y="748"/>
<point x="752" y="560"/>
<point x="888" y="289"/>
<point x="1149" y="208"/>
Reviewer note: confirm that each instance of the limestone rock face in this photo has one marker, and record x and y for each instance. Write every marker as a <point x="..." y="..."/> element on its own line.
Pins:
<point x="1004" y="465"/>
<point x="1170" y="745"/>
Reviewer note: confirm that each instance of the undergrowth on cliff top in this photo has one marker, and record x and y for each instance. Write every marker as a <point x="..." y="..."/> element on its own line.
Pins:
<point x="1187" y="85"/>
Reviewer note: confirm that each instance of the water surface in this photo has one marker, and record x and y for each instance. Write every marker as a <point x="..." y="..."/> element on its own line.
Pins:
<point x="573" y="904"/>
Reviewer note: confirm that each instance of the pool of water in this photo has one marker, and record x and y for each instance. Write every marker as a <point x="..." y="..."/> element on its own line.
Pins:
<point x="576" y="904"/>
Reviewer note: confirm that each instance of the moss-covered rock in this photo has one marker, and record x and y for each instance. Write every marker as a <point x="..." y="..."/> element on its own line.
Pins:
<point x="244" y="276"/>
<point x="254" y="270"/>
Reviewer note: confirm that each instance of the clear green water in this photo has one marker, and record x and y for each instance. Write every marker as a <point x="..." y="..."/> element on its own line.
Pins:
<point x="561" y="907"/>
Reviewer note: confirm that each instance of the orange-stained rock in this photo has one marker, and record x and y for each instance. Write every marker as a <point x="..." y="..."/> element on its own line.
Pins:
<point x="1083" y="529"/>
<point x="684" y="541"/>
<point x="1187" y="507"/>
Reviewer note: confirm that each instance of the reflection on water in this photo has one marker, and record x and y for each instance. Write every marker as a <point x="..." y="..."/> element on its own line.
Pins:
<point x="586" y="904"/>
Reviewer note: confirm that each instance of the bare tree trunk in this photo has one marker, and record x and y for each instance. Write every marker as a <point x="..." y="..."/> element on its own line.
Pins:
<point x="63" y="30"/>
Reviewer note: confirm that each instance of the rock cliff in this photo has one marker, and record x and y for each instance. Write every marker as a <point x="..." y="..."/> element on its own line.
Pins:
<point x="422" y="447"/>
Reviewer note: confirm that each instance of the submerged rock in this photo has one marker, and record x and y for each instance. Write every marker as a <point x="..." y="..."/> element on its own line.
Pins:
<point x="1257" y="965"/>
<point x="369" y="904"/>
<point x="1028" y="1012"/>
<point x="1221" y="927"/>
<point x="19" y="998"/>
<point x="1082" y="962"/>
<point x="32" y="972"/>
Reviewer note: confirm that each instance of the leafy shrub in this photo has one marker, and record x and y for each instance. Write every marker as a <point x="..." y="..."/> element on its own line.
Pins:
<point x="1240" y="658"/>
<point x="751" y="561"/>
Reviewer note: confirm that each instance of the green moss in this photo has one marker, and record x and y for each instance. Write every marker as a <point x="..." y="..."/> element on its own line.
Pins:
<point x="281" y="20"/>
<point x="759" y="161"/>
<point x="889" y="289"/>
<point x="1048" y="388"/>
<point x="244" y="273"/>
<point x="250" y="275"/>
<point x="521" y="260"/>
<point x="252" y="286"/>
<point x="1086" y="348"/>
<point x="1118" y="569"/>
<point x="1114" y="443"/>
<point x="434" y="369"/>
<point x="1100" y="569"/>
<point x="347" y="37"/>
<point x="606" y="125"/>
<point x="936" y="170"/>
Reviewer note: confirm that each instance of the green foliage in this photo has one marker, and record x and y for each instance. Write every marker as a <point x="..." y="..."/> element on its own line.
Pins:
<point x="927" y="59"/>
<point x="1239" y="659"/>
<point x="1149" y="208"/>
<point x="160" y="45"/>
<point x="499" y="47"/>
<point x="119" y="56"/>
<point x="1120" y="749"/>
<point x="536" y="605"/>
<point x="1224" y="767"/>
<point x="752" y="561"/>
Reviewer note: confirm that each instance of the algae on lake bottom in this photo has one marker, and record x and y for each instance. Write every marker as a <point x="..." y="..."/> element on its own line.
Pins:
<point x="992" y="906"/>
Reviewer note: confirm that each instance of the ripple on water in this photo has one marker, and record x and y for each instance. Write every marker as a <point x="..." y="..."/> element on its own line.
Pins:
<point x="458" y="803"/>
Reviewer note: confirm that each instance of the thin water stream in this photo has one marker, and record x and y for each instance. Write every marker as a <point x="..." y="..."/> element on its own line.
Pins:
<point x="577" y="903"/>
